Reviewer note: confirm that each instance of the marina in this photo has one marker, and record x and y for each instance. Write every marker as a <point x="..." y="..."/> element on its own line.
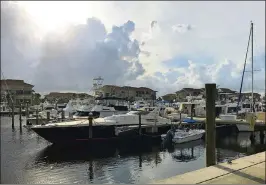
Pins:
<point x="101" y="103"/>
<point x="31" y="159"/>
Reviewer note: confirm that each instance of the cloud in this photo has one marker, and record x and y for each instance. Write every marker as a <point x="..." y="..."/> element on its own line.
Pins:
<point x="18" y="42"/>
<point x="181" y="28"/>
<point x="161" y="51"/>
<point x="87" y="51"/>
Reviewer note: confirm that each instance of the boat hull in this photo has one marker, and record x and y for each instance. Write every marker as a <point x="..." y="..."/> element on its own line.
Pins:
<point x="188" y="139"/>
<point x="100" y="134"/>
<point x="75" y="134"/>
<point x="243" y="128"/>
<point x="185" y="138"/>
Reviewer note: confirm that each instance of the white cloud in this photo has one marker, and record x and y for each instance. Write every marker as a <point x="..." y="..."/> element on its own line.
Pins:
<point x="212" y="36"/>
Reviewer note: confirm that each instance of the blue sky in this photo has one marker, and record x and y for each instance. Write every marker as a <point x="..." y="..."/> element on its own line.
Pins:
<point x="55" y="44"/>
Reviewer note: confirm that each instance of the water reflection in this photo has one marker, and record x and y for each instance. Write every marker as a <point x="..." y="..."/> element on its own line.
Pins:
<point x="29" y="157"/>
<point x="186" y="152"/>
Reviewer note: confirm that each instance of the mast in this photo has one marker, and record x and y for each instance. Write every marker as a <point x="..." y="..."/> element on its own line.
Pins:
<point x="244" y="69"/>
<point x="252" y="78"/>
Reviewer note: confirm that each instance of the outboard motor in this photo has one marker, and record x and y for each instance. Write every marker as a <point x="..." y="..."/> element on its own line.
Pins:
<point x="169" y="136"/>
<point x="167" y="142"/>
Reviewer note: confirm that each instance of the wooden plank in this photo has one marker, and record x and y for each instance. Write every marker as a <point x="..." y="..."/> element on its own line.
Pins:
<point x="217" y="171"/>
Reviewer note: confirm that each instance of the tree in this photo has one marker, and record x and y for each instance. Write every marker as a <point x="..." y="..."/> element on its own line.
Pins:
<point x="36" y="98"/>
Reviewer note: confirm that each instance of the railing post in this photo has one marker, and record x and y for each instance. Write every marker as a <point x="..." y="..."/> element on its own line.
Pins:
<point x="210" y="138"/>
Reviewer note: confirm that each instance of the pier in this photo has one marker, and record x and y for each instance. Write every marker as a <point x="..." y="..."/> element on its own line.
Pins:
<point x="245" y="170"/>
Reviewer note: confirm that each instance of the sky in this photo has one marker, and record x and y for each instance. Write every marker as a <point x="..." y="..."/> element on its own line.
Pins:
<point x="166" y="46"/>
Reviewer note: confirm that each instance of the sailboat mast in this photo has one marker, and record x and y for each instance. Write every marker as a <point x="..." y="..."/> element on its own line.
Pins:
<point x="252" y="75"/>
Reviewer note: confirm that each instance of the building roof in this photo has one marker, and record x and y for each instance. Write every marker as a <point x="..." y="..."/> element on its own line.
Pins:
<point x="128" y="88"/>
<point x="9" y="82"/>
<point x="226" y="90"/>
<point x="56" y="94"/>
<point x="190" y="90"/>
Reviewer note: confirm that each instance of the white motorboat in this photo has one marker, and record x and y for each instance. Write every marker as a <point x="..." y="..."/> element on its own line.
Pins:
<point x="132" y="118"/>
<point x="140" y="104"/>
<point x="183" y="136"/>
<point x="99" y="111"/>
<point x="103" y="128"/>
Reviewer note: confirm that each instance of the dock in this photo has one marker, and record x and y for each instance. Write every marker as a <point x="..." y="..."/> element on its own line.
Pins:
<point x="261" y="125"/>
<point x="245" y="170"/>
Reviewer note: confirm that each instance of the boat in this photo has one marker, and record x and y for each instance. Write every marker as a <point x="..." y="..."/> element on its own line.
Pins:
<point x="251" y="115"/>
<point x="139" y="104"/>
<point x="103" y="129"/>
<point x="5" y="109"/>
<point x="149" y="116"/>
<point x="183" y="136"/>
<point x="82" y="112"/>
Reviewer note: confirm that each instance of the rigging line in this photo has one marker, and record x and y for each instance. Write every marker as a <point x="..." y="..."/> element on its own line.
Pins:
<point x="244" y="70"/>
<point x="7" y="87"/>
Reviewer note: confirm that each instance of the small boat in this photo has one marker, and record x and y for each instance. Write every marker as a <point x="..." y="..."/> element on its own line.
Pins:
<point x="183" y="136"/>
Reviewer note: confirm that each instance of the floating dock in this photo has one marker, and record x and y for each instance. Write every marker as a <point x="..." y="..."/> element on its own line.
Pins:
<point x="245" y="170"/>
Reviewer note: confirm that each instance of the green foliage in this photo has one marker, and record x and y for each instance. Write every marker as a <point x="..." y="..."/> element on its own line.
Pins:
<point x="169" y="97"/>
<point x="36" y="99"/>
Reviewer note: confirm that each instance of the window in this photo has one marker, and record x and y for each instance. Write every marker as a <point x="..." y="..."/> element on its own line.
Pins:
<point x="19" y="92"/>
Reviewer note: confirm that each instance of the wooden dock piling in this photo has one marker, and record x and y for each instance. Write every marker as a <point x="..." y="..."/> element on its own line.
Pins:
<point x="13" y="116"/>
<point x="20" y="116"/>
<point x="139" y="124"/>
<point x="47" y="117"/>
<point x="210" y="124"/>
<point x="63" y="115"/>
<point x="180" y="116"/>
<point x="27" y="110"/>
<point x="70" y="115"/>
<point x="37" y="117"/>
<point x="262" y="136"/>
<point x="90" y="125"/>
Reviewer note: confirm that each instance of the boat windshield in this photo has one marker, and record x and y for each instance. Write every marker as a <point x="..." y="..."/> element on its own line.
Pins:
<point x="81" y="113"/>
<point x="48" y="108"/>
<point x="139" y="112"/>
<point x="61" y="106"/>
<point x="246" y="105"/>
<point x="231" y="109"/>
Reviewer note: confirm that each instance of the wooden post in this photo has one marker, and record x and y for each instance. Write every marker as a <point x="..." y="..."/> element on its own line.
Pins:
<point x="20" y="116"/>
<point x="90" y="125"/>
<point x="63" y="115"/>
<point x="191" y="111"/>
<point x="139" y="124"/>
<point x="47" y="117"/>
<point x="27" y="110"/>
<point x="13" y="116"/>
<point x="262" y="137"/>
<point x="210" y="124"/>
<point x="37" y="117"/>
<point x="70" y="115"/>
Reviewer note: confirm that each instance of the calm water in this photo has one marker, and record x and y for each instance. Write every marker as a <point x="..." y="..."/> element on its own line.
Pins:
<point x="26" y="158"/>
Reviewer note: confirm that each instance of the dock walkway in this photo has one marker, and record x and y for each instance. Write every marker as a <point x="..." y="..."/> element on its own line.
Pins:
<point x="245" y="170"/>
